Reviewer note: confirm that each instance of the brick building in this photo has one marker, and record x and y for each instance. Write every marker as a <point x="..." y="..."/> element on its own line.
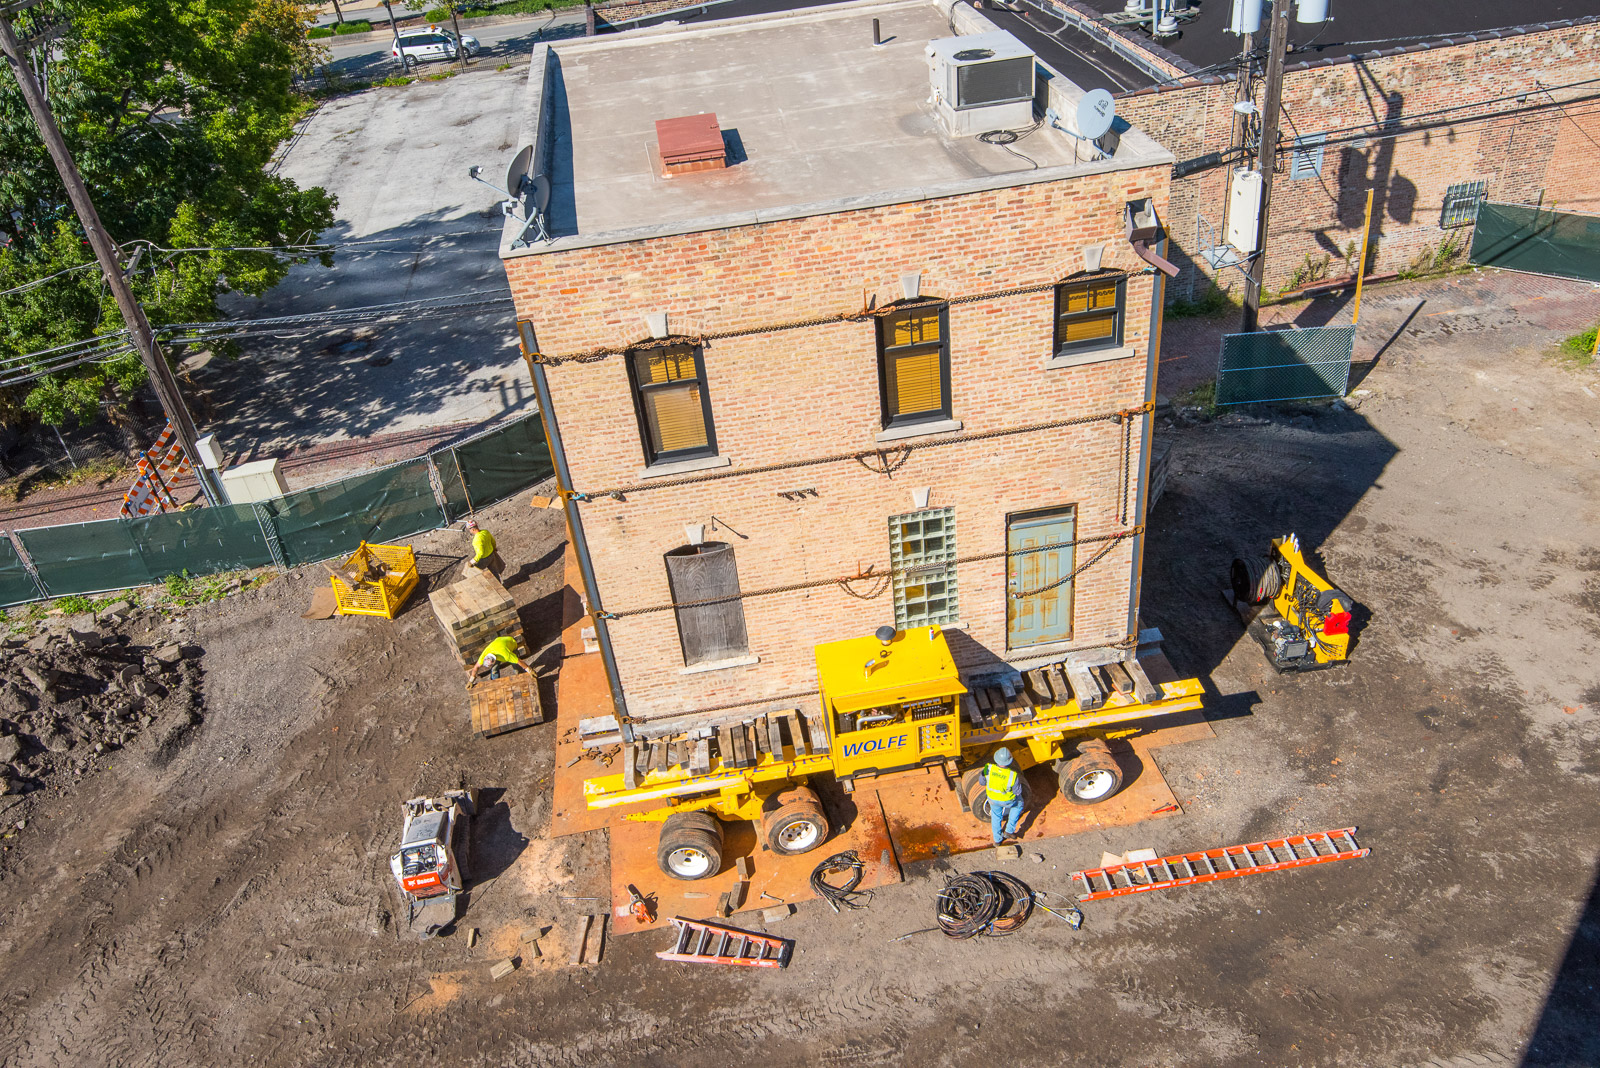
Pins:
<point x="1508" y="114"/>
<point x="865" y="373"/>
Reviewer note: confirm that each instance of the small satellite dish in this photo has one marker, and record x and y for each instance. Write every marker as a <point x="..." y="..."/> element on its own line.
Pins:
<point x="1095" y="113"/>
<point x="518" y="171"/>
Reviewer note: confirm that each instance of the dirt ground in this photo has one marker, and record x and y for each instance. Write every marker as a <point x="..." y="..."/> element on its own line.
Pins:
<point x="233" y="906"/>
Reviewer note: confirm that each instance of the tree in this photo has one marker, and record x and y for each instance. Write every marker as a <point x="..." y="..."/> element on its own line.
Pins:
<point x="173" y="112"/>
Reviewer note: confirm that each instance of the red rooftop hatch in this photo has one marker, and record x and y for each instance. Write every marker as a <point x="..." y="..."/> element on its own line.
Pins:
<point x="691" y="143"/>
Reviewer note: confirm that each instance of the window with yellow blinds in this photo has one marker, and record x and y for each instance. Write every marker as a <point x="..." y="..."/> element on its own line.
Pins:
<point x="1089" y="314"/>
<point x="914" y="366"/>
<point x="673" y="405"/>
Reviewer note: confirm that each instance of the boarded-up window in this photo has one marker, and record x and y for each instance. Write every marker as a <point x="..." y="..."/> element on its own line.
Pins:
<point x="674" y="409"/>
<point x="705" y="584"/>
<point x="1089" y="315"/>
<point x="914" y="366"/>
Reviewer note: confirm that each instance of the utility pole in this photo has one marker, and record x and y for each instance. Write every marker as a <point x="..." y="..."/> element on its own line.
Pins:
<point x="1267" y="159"/>
<point x="105" y="251"/>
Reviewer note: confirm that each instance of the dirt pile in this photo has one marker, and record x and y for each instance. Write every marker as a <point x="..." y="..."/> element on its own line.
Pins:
<point x="71" y="694"/>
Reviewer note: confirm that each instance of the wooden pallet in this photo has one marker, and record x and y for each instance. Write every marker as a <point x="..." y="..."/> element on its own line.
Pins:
<point x="508" y="703"/>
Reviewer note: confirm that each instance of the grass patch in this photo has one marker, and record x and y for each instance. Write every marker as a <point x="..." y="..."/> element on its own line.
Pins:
<point x="394" y="80"/>
<point x="354" y="26"/>
<point x="183" y="591"/>
<point x="1203" y="396"/>
<point x="503" y="66"/>
<point x="440" y="76"/>
<point x="1578" y="350"/>
<point x="317" y="32"/>
<point x="1214" y="301"/>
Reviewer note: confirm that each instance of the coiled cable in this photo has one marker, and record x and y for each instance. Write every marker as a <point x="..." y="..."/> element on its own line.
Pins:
<point x="983" y="903"/>
<point x="847" y="894"/>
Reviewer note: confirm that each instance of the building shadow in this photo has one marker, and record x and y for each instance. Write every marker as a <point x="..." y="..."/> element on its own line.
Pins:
<point x="1279" y="479"/>
<point x="1566" y="1034"/>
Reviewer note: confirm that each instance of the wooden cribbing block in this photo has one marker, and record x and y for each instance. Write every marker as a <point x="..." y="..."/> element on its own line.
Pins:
<point x="508" y="703"/>
<point x="1145" y="690"/>
<point x="581" y="938"/>
<point x="503" y="968"/>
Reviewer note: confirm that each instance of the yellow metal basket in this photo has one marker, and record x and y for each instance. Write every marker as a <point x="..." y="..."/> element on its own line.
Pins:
<point x="380" y="596"/>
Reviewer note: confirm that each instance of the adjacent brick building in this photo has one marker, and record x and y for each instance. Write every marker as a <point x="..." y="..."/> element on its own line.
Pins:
<point x="865" y="374"/>
<point x="1512" y="115"/>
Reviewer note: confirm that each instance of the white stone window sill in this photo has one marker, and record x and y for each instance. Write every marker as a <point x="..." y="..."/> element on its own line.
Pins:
<point x="920" y="430"/>
<point x="683" y="467"/>
<point x="720" y="665"/>
<point x="1079" y="359"/>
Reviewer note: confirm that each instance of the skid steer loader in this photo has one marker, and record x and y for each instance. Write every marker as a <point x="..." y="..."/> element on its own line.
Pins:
<point x="430" y="865"/>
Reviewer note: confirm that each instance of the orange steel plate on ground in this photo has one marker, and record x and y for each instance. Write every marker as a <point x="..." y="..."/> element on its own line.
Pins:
<point x="926" y="820"/>
<point x="858" y="824"/>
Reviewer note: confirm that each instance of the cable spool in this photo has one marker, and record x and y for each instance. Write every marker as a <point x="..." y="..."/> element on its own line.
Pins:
<point x="1255" y="579"/>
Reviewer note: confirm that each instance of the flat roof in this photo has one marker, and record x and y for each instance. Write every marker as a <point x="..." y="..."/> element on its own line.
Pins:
<point x="818" y="118"/>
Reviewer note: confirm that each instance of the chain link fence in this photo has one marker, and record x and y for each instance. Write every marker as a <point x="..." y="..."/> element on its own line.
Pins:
<point x="1537" y="240"/>
<point x="319" y="523"/>
<point x="1283" y="365"/>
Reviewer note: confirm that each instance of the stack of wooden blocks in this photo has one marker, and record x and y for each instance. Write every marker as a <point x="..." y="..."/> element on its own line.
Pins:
<point x="474" y="612"/>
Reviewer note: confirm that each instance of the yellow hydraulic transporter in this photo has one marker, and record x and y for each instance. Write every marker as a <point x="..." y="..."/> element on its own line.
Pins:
<point x="1300" y="619"/>
<point x="888" y="703"/>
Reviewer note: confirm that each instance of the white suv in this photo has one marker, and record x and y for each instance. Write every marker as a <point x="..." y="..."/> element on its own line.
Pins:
<point x="416" y="46"/>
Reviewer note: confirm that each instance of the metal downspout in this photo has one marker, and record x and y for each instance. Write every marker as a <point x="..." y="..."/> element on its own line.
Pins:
<point x="1158" y="296"/>
<point x="580" y="545"/>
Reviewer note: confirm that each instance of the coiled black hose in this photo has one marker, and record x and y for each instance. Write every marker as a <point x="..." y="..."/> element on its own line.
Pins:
<point x="847" y="894"/>
<point x="983" y="903"/>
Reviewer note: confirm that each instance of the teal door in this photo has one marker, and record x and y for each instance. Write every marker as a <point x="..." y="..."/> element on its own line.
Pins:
<point x="1038" y="603"/>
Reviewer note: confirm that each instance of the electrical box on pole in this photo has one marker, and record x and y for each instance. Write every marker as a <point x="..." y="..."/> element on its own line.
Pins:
<point x="1244" y="210"/>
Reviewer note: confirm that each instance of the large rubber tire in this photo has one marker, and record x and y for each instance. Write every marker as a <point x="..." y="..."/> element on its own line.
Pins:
<point x="1255" y="579"/>
<point x="797" y="824"/>
<point x="690" y="846"/>
<point x="1091" y="776"/>
<point x="409" y="63"/>
<point x="975" y="788"/>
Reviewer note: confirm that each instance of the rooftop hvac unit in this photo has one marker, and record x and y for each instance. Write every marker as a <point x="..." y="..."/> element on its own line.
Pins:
<point x="981" y="82"/>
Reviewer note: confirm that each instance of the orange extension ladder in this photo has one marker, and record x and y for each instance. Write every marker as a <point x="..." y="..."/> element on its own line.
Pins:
<point x="1184" y="869"/>
<point x="712" y="943"/>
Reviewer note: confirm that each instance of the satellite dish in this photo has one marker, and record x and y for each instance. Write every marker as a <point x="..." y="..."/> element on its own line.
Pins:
<point x="518" y="171"/>
<point x="1095" y="113"/>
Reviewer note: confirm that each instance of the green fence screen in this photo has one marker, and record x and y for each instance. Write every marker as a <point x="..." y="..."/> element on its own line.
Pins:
<point x="320" y="523"/>
<point x="500" y="463"/>
<point x="16" y="585"/>
<point x="113" y="554"/>
<point x="1532" y="239"/>
<point x="1281" y="365"/>
<point x="328" y="521"/>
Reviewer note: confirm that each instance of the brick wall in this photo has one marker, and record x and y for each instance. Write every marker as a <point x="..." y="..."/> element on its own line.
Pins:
<point x="783" y="396"/>
<point x="1320" y="217"/>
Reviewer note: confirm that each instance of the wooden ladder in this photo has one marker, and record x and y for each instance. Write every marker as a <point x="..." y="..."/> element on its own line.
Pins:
<point x="1183" y="869"/>
<point x="712" y="943"/>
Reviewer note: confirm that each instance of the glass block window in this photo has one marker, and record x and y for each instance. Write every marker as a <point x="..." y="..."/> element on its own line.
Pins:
<point x="922" y="550"/>
<point x="1461" y="203"/>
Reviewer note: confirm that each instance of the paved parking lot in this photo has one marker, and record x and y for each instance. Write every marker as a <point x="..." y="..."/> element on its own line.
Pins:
<point x="410" y="225"/>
